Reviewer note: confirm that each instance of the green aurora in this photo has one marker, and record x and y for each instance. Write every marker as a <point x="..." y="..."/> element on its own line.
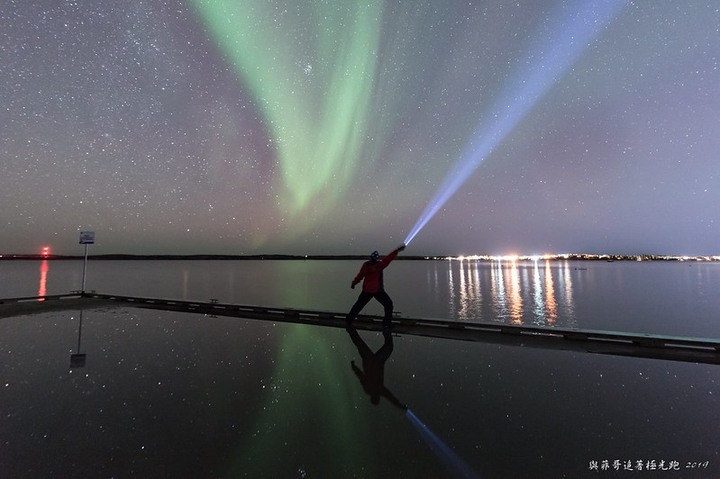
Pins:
<point x="314" y="104"/>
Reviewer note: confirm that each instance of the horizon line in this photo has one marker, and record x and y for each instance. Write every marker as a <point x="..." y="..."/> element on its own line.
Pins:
<point x="479" y="257"/>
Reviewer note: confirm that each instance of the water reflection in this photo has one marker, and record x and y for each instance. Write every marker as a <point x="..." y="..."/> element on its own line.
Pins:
<point x="77" y="360"/>
<point x="567" y="288"/>
<point x="550" y="301"/>
<point x="512" y="291"/>
<point x="515" y="299"/>
<point x="372" y="374"/>
<point x="506" y="294"/>
<point x="42" y="287"/>
<point x="470" y="293"/>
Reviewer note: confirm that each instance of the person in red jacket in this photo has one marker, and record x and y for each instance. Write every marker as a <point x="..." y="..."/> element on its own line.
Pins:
<point x="371" y="274"/>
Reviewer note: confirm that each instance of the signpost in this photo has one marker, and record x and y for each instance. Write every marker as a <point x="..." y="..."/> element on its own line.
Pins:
<point x="86" y="238"/>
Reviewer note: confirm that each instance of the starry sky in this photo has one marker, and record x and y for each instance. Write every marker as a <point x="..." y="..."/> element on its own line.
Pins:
<point x="327" y="126"/>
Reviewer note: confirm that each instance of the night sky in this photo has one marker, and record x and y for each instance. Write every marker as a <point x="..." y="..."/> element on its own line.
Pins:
<point x="327" y="126"/>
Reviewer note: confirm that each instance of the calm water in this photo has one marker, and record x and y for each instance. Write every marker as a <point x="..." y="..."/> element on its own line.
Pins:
<point x="167" y="394"/>
<point x="676" y="298"/>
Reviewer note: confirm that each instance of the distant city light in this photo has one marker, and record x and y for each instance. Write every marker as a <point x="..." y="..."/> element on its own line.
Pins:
<point x="576" y="256"/>
<point x="45" y="252"/>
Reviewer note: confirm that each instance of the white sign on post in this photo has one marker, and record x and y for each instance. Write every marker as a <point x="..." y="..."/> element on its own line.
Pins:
<point x="87" y="237"/>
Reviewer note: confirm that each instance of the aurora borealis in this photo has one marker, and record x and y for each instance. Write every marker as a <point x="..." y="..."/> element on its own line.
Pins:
<point x="240" y="127"/>
<point x="316" y="111"/>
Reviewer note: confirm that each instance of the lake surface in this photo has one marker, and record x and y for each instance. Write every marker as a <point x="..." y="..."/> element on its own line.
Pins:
<point x="164" y="394"/>
<point x="675" y="298"/>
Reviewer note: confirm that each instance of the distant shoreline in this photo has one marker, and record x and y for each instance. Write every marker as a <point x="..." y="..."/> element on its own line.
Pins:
<point x="214" y="257"/>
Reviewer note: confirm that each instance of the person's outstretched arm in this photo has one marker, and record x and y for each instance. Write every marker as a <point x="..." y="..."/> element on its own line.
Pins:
<point x="391" y="397"/>
<point x="387" y="259"/>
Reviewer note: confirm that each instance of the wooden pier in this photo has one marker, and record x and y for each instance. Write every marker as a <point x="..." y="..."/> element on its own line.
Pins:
<point x="673" y="348"/>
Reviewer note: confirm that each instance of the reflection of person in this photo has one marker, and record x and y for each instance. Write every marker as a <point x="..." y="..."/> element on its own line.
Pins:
<point x="371" y="274"/>
<point x="372" y="374"/>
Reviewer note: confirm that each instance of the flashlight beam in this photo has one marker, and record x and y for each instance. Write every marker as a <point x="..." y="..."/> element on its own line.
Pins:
<point x="564" y="40"/>
<point x="450" y="459"/>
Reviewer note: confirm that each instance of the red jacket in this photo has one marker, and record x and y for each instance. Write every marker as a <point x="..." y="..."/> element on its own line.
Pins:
<point x="373" y="273"/>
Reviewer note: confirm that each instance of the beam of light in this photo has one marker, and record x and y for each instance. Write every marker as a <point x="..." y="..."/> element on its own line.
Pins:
<point x="560" y="44"/>
<point x="451" y="461"/>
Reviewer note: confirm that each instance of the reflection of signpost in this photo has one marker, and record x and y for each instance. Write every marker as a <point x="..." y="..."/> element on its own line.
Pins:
<point x="77" y="360"/>
<point x="86" y="238"/>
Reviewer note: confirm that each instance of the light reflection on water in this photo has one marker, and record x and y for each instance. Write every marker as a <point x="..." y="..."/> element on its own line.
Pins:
<point x="42" y="287"/>
<point x="510" y="291"/>
<point x="672" y="298"/>
<point x="166" y="394"/>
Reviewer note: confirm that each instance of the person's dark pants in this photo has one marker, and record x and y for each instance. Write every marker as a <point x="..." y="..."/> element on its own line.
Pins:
<point x="365" y="298"/>
<point x="379" y="356"/>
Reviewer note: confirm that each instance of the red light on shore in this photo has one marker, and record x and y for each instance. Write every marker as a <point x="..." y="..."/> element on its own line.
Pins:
<point x="45" y="251"/>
